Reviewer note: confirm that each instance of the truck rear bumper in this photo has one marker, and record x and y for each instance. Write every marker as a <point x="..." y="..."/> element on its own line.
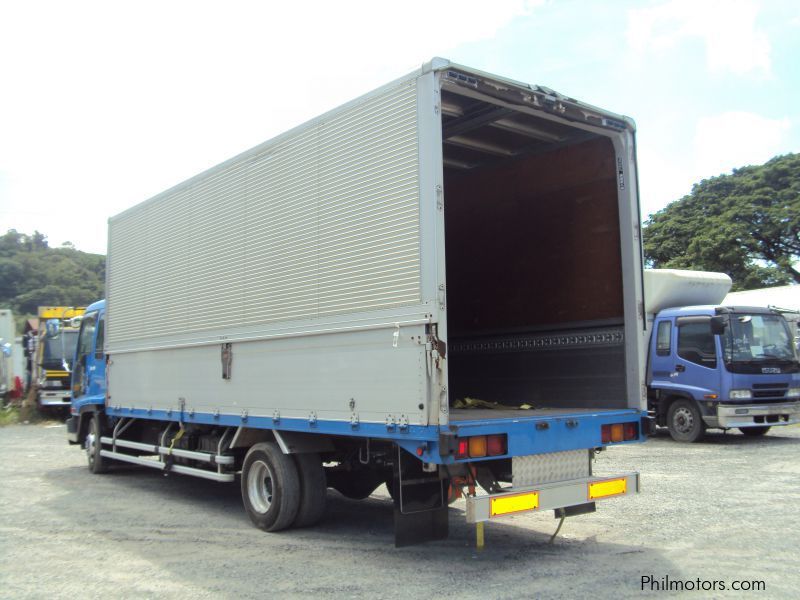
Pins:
<point x="754" y="415"/>
<point x="551" y="496"/>
<point x="54" y="397"/>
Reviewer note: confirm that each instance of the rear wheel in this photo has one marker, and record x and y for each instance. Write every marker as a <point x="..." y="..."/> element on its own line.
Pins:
<point x="685" y="422"/>
<point x="754" y="431"/>
<point x="270" y="487"/>
<point x="97" y="464"/>
<point x="313" y="489"/>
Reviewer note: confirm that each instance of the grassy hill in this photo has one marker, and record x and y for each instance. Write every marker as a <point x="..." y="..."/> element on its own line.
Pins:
<point x="32" y="274"/>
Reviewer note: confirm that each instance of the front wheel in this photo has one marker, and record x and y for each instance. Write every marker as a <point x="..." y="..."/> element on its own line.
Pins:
<point x="685" y="422"/>
<point x="97" y="464"/>
<point x="754" y="431"/>
<point x="270" y="487"/>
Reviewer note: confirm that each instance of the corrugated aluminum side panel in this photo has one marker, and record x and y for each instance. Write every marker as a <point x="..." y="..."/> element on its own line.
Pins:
<point x="325" y="221"/>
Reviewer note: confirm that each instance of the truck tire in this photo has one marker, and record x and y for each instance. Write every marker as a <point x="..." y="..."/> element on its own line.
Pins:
<point x="270" y="487"/>
<point x="97" y="464"/>
<point x="313" y="489"/>
<point x="754" y="431"/>
<point x="685" y="422"/>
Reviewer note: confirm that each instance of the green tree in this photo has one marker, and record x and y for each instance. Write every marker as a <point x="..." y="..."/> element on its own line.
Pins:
<point x="32" y="274"/>
<point x="11" y="276"/>
<point x="746" y="224"/>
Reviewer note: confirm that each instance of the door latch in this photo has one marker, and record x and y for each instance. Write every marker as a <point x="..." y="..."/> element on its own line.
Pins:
<point x="227" y="359"/>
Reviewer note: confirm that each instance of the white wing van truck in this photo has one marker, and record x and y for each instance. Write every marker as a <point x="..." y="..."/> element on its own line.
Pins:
<point x="437" y="286"/>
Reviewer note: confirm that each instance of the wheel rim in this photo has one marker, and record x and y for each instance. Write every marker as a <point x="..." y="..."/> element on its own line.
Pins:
<point x="683" y="420"/>
<point x="91" y="446"/>
<point x="260" y="486"/>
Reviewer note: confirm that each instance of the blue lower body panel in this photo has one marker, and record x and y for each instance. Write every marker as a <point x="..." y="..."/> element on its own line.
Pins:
<point x="529" y="431"/>
<point x="544" y="430"/>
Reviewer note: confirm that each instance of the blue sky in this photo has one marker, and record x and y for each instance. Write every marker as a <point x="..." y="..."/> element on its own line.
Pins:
<point x="712" y="85"/>
<point x="103" y="104"/>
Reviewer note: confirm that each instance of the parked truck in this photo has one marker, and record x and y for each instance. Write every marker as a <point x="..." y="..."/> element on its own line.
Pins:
<point x="436" y="287"/>
<point x="713" y="365"/>
<point x="55" y="349"/>
<point x="784" y="298"/>
<point x="7" y="339"/>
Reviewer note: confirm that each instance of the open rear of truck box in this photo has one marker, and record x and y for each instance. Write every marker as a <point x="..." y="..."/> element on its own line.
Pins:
<point x="534" y="275"/>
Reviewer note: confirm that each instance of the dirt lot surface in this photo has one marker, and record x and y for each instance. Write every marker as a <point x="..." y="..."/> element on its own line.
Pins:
<point x="725" y="510"/>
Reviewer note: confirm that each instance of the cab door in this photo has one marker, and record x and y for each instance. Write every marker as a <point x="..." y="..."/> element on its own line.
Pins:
<point x="88" y="378"/>
<point x="661" y="363"/>
<point x="696" y="357"/>
<point x="97" y="370"/>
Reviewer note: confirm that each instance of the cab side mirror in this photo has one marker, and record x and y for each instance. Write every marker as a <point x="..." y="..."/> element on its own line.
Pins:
<point x="718" y="324"/>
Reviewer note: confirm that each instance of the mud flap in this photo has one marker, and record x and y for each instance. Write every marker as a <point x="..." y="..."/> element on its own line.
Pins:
<point x="72" y="430"/>
<point x="420" y="503"/>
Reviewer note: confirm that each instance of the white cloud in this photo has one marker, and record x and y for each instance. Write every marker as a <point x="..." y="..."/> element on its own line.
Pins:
<point x="728" y="29"/>
<point x="720" y="143"/>
<point x="662" y="180"/>
<point x="735" y="139"/>
<point x="105" y="104"/>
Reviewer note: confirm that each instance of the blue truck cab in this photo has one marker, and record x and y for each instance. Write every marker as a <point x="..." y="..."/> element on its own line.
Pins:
<point x="89" y="372"/>
<point x="722" y="367"/>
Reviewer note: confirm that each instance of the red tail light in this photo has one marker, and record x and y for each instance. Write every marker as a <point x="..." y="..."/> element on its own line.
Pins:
<point x="630" y="431"/>
<point x="605" y="434"/>
<point x="463" y="448"/>
<point x="496" y="445"/>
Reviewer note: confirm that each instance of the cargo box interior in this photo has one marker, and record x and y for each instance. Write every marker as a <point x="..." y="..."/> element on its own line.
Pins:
<point x="534" y="270"/>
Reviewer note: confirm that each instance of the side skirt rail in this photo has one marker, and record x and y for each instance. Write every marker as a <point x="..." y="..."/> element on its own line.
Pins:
<point x="162" y="451"/>
<point x="157" y="464"/>
<point x="217" y="459"/>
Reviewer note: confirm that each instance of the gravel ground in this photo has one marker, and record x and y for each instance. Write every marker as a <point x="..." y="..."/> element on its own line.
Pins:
<point x="724" y="510"/>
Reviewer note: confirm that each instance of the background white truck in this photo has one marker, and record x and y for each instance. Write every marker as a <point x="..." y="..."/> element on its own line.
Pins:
<point x="785" y="298"/>
<point x="8" y="339"/>
<point x="436" y="286"/>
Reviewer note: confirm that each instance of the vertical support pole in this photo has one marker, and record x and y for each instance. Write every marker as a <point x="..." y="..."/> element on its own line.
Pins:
<point x="479" y="536"/>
